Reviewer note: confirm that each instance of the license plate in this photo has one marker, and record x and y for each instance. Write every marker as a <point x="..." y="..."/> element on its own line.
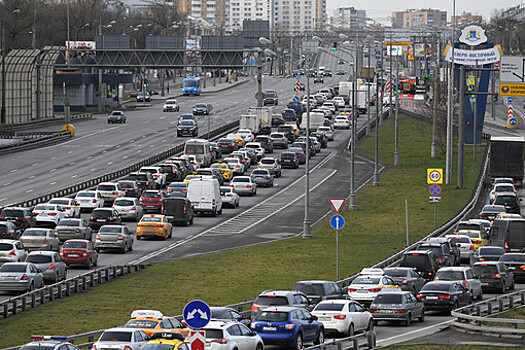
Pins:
<point x="485" y="283"/>
<point x="325" y="318"/>
<point x="287" y="161"/>
<point x="101" y="220"/>
<point x="386" y="311"/>
<point x="273" y="329"/>
<point x="9" y="278"/>
<point x="432" y="298"/>
<point x="362" y="291"/>
<point x="73" y="255"/>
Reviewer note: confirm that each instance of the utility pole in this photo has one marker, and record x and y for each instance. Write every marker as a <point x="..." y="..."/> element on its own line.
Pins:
<point x="435" y="98"/>
<point x="368" y="129"/>
<point x="397" y="160"/>
<point x="376" y="153"/>
<point x="306" y="223"/>
<point x="461" y="126"/>
<point x="4" y="51"/>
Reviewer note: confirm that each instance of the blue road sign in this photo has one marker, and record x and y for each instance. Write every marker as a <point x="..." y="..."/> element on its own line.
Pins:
<point x="510" y="99"/>
<point x="337" y="222"/>
<point x="435" y="190"/>
<point x="197" y="314"/>
<point x="298" y="77"/>
<point x="295" y="99"/>
<point x="513" y="121"/>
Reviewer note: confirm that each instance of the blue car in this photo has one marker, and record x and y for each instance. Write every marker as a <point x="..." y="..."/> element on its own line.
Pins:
<point x="288" y="326"/>
<point x="289" y="115"/>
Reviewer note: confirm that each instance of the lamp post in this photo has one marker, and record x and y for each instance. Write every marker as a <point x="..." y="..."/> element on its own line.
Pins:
<point x="376" y="151"/>
<point x="306" y="223"/>
<point x="259" y="95"/>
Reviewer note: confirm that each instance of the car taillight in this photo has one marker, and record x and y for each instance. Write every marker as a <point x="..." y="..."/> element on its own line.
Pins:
<point x="127" y="348"/>
<point x="91" y="218"/>
<point x="444" y="297"/>
<point x="497" y="275"/>
<point x="420" y="296"/>
<point x="249" y="186"/>
<point x="24" y="277"/>
<point x="52" y="214"/>
<point x="481" y="259"/>
<point x="522" y="267"/>
<point x="2" y="217"/>
<point x="352" y="289"/>
<point x="62" y="254"/>
<point x="67" y="208"/>
<point x="471" y="247"/>
<point x="115" y="192"/>
<point x="94" y="201"/>
<point x="405" y="281"/>
<point x="255" y="308"/>
<point x="147" y="183"/>
<point x="374" y="310"/>
<point x="44" y="242"/>
<point x="340" y="317"/>
<point x="120" y="237"/>
<point x="97" y="237"/>
<point x="289" y="326"/>
<point x="84" y="255"/>
<point x="35" y="213"/>
<point x="220" y="341"/>
<point x="79" y="230"/>
<point x="51" y="267"/>
<point x="21" y="219"/>
<point x="184" y="191"/>
<point x="238" y="166"/>
<point x="441" y="259"/>
<point x="506" y="244"/>
<point x="374" y="290"/>
<point x="213" y="201"/>
<point x="12" y="252"/>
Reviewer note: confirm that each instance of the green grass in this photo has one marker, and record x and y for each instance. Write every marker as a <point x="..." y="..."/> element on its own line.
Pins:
<point x="515" y="313"/>
<point x="372" y="233"/>
<point x="450" y="347"/>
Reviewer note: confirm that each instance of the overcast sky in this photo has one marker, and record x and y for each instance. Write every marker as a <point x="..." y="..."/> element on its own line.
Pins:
<point x="383" y="8"/>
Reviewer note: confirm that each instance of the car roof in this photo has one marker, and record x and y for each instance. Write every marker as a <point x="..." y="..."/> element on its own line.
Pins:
<point x="220" y="324"/>
<point x="13" y="241"/>
<point x="120" y="329"/>
<point x="282" y="308"/>
<point x="43" y="252"/>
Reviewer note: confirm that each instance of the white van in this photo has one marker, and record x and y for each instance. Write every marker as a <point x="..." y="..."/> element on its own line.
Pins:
<point x="201" y="149"/>
<point x="205" y="195"/>
<point x="316" y="120"/>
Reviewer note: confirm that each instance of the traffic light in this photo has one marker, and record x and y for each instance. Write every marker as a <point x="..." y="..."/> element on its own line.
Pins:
<point x="145" y="83"/>
<point x="334" y="46"/>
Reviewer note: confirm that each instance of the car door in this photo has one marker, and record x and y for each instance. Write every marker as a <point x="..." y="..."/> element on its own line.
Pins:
<point x="53" y="240"/>
<point x="299" y="300"/>
<point x="473" y="282"/>
<point x="128" y="236"/>
<point x="508" y="277"/>
<point x="309" y="326"/>
<point x="463" y="294"/>
<point x="357" y="314"/>
<point x="416" y="306"/>
<point x="235" y="336"/>
<point x="137" y="340"/>
<point x="61" y="266"/>
<point x="21" y="252"/>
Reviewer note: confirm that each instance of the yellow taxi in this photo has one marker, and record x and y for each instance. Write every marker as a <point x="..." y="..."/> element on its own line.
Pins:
<point x="475" y="236"/>
<point x="294" y="128"/>
<point x="225" y="170"/>
<point x="237" y="138"/>
<point x="154" y="225"/>
<point x="153" y="321"/>
<point x="166" y="341"/>
<point x="191" y="177"/>
<point x="508" y="216"/>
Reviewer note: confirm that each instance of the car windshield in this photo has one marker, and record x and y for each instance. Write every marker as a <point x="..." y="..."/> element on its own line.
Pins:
<point x="329" y="307"/>
<point x="6" y="246"/>
<point x="110" y="229"/>
<point x="260" y="172"/>
<point x="309" y="288"/>
<point x="271" y="300"/>
<point x="504" y="188"/>
<point x="491" y="251"/>
<point x="471" y="234"/>
<point x="366" y="280"/>
<point x="485" y="269"/>
<point x="225" y="141"/>
<point x="86" y="195"/>
<point x="189" y="83"/>
<point x="468" y="226"/>
<point x="242" y="179"/>
<point x="106" y="188"/>
<point x="4" y="228"/>
<point x="415" y="260"/>
<point x="449" y="275"/>
<point x="214" y="334"/>
<point x="267" y="161"/>
<point x="12" y="212"/>
<point x="437" y="286"/>
<point x="512" y="257"/>
<point x="102" y="213"/>
<point x="150" y="219"/>
<point x="65" y="222"/>
<point x="148" y="194"/>
<point x="187" y="122"/>
<point x="44" y="207"/>
<point x="506" y="200"/>
<point x="461" y="239"/>
<point x="396" y="272"/>
<point x="270" y="94"/>
<point x="437" y="250"/>
<point x="141" y="324"/>
<point x="388" y="298"/>
<point x="273" y="316"/>
<point x="171" y="102"/>
<point x="13" y="268"/>
<point x="123" y="203"/>
<point x="200" y="105"/>
<point x="75" y="245"/>
<point x="116" y="336"/>
<point x="34" y="233"/>
<point x="39" y="259"/>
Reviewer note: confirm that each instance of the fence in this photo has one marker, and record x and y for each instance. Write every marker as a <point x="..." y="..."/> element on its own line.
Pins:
<point x="34" y="139"/>
<point x="475" y="318"/>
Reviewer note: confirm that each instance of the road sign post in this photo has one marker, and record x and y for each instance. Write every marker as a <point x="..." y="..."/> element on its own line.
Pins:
<point x="337" y="222"/>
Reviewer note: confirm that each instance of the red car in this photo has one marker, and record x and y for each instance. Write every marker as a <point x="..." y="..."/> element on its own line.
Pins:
<point x="152" y="200"/>
<point x="79" y="252"/>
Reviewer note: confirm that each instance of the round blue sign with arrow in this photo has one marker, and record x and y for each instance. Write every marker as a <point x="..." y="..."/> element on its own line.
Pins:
<point x="197" y="314"/>
<point x="295" y="99"/>
<point x="513" y="121"/>
<point x="337" y="222"/>
<point x="510" y="99"/>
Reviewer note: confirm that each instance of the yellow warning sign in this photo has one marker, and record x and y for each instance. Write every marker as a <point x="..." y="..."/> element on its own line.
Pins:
<point x="509" y="89"/>
<point x="434" y="176"/>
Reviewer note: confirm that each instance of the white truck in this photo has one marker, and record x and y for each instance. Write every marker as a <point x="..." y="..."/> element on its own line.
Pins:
<point x="316" y="120"/>
<point x="205" y="195"/>
<point x="362" y="99"/>
<point x="256" y="119"/>
<point x="345" y="88"/>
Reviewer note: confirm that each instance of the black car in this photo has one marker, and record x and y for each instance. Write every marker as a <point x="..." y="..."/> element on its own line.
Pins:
<point x="266" y="143"/>
<point x="442" y="254"/>
<point x="104" y="216"/>
<point x="116" y="117"/>
<point x="270" y="98"/>
<point x="178" y="210"/>
<point x="215" y="150"/>
<point x="288" y="131"/>
<point x="320" y="290"/>
<point x="489" y="212"/>
<point x="171" y="171"/>
<point x="340" y="72"/>
<point x="515" y="262"/>
<point x="227" y="314"/>
<point x="444" y="296"/>
<point x="451" y="246"/>
<point x="202" y="108"/>
<point x="277" y="120"/>
<point x="397" y="306"/>
<point x="289" y="160"/>
<point x="509" y="200"/>
<point x="486" y="253"/>
<point x="131" y="188"/>
<point x="144" y="180"/>
<point x="181" y="169"/>
<point x="407" y="277"/>
<point x="494" y="275"/>
<point x="21" y="217"/>
<point x="289" y="115"/>
<point x="327" y="73"/>
<point x="186" y="117"/>
<point x="187" y="128"/>
<point x="227" y="145"/>
<point x="323" y="140"/>
<point x="8" y="230"/>
<point x="177" y="189"/>
<point x="423" y="261"/>
<point x="300" y="154"/>
<point x="319" y="79"/>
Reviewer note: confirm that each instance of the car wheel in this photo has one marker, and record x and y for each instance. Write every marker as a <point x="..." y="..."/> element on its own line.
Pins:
<point x="320" y="337"/>
<point x="503" y="287"/>
<point x="31" y="287"/>
<point x="259" y="347"/>
<point x="220" y="211"/>
<point x="125" y="249"/>
<point x="298" y="342"/>
<point x="88" y="264"/>
<point x="408" y="321"/>
<point x="370" y="326"/>
<point x="480" y="296"/>
<point x="351" y="330"/>
<point x="422" y="317"/>
<point x="512" y="286"/>
<point x="130" y="248"/>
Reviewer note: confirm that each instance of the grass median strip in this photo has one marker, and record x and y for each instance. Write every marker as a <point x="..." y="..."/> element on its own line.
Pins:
<point x="372" y="233"/>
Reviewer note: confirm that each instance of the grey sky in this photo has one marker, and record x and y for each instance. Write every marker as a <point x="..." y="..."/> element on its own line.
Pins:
<point x="383" y="8"/>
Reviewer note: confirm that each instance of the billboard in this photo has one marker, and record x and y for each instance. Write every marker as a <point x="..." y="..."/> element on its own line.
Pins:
<point x="79" y="48"/>
<point x="397" y="50"/>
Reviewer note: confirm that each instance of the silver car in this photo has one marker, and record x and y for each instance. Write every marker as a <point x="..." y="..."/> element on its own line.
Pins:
<point x="262" y="177"/>
<point x="121" y="338"/>
<point x="40" y="239"/>
<point x="279" y="140"/>
<point x="229" y="196"/>
<point x="12" y="251"/>
<point x="52" y="267"/>
<point x="128" y="208"/>
<point x="20" y="277"/>
<point x="244" y="185"/>
<point x="270" y="164"/>
<point x="114" y="237"/>
<point x="69" y="228"/>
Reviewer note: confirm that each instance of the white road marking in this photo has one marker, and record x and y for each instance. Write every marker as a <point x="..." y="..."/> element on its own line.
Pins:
<point x="72" y="163"/>
<point x="118" y="146"/>
<point x="125" y="157"/>
<point x="89" y="157"/>
<point x="52" y="170"/>
<point x="69" y="152"/>
<point x="110" y="163"/>
<point x="93" y="169"/>
<point x="31" y="177"/>
<point x="138" y="151"/>
<point x="164" y="140"/>
<point x="35" y="164"/>
<point x="14" y="171"/>
<point x="53" y="183"/>
<point x="7" y="183"/>
<point x="74" y="176"/>
<point x="29" y="190"/>
<point x="3" y="199"/>
<point x="54" y="158"/>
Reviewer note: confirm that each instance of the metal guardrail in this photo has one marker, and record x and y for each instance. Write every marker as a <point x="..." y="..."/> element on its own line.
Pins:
<point x="365" y="340"/>
<point x="31" y="300"/>
<point x="34" y="140"/>
<point x="475" y="318"/>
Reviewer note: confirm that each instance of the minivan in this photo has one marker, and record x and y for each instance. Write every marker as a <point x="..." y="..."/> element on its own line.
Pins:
<point x="205" y="196"/>
<point x="178" y="210"/>
<point x="508" y="233"/>
<point x="423" y="261"/>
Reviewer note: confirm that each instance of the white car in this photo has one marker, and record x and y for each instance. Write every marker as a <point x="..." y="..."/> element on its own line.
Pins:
<point x="343" y="316"/>
<point x="229" y="196"/>
<point x="231" y="335"/>
<point x="244" y="185"/>
<point x="40" y="208"/>
<point x="109" y="191"/>
<point x="89" y="200"/>
<point x="68" y="205"/>
<point x="501" y="187"/>
<point x="365" y="287"/>
<point x="340" y="101"/>
<point x="171" y="106"/>
<point x="327" y="131"/>
<point x="12" y="251"/>
<point x="156" y="172"/>
<point x="246" y="135"/>
<point x="341" y="123"/>
<point x="257" y="147"/>
<point x="465" y="245"/>
<point x="128" y="208"/>
<point x="329" y="105"/>
<point x="49" y="218"/>
<point x="235" y="165"/>
<point x="120" y="338"/>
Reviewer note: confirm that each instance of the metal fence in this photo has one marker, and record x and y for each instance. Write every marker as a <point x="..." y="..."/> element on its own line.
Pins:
<point x="34" y="139"/>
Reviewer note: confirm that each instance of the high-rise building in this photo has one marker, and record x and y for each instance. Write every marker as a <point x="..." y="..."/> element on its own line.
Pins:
<point x="349" y="17"/>
<point x="466" y="18"/>
<point x="240" y="10"/>
<point x="299" y="15"/>
<point x="416" y="18"/>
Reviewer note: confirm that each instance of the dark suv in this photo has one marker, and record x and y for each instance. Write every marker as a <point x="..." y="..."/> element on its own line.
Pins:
<point x="144" y="180"/>
<point x="423" y="261"/>
<point x="450" y="244"/>
<point x="270" y="98"/>
<point x="289" y="160"/>
<point x="266" y="143"/>
<point x="104" y="216"/>
<point x="287" y="131"/>
<point x="320" y="290"/>
<point x="442" y="254"/>
<point x="21" y="217"/>
<point x="509" y="200"/>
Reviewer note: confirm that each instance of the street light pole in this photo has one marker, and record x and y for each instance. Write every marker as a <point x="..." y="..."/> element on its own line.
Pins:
<point x="353" y="201"/>
<point x="368" y="128"/>
<point x="376" y="153"/>
<point x="397" y="160"/>
<point x="306" y="223"/>
<point x="2" y="115"/>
